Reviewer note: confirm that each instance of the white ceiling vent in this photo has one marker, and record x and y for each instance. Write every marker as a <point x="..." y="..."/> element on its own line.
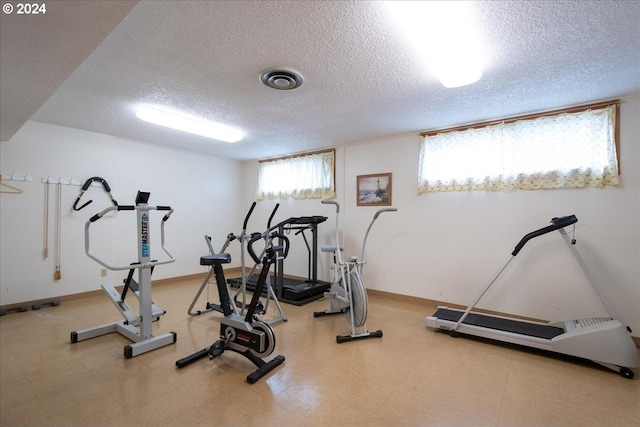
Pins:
<point x="281" y="78"/>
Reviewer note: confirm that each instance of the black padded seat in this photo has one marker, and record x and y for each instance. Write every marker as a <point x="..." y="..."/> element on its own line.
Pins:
<point x="222" y="258"/>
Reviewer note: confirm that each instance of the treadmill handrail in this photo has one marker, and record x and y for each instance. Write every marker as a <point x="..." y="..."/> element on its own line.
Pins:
<point x="556" y="224"/>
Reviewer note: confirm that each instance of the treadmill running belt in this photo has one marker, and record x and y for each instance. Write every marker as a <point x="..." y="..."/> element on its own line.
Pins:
<point x="501" y="324"/>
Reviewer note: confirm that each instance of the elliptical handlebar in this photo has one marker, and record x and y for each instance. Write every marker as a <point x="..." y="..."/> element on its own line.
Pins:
<point x="337" y="233"/>
<point x="384" y="210"/>
<point x="270" y="251"/>
<point x="128" y="208"/>
<point x="246" y="218"/>
<point x="272" y="215"/>
<point x="364" y="242"/>
<point x="556" y="224"/>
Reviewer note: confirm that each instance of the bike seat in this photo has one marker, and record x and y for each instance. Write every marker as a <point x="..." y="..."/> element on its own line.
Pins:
<point x="329" y="248"/>
<point x="222" y="258"/>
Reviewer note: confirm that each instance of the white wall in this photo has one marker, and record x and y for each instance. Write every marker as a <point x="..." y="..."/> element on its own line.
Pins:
<point x="204" y="191"/>
<point x="447" y="246"/>
<point x="442" y="247"/>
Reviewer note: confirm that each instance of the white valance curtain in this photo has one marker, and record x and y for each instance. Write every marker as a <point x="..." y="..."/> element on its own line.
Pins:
<point x="564" y="150"/>
<point x="308" y="176"/>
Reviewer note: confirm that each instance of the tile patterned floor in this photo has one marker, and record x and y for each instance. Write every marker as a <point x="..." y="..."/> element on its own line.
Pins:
<point x="410" y="377"/>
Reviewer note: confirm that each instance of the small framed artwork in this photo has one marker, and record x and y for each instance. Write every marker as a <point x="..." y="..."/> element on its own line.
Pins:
<point x="374" y="189"/>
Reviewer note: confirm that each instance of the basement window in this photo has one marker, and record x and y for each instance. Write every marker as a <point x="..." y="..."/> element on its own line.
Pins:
<point x="303" y="176"/>
<point x="567" y="148"/>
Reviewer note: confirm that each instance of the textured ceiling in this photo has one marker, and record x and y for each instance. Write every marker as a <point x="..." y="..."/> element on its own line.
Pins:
<point x="38" y="52"/>
<point x="362" y="81"/>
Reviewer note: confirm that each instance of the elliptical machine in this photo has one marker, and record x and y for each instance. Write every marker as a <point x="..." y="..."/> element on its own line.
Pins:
<point x="242" y="238"/>
<point x="242" y="283"/>
<point x="348" y="294"/>
<point x="246" y="335"/>
<point x="135" y="326"/>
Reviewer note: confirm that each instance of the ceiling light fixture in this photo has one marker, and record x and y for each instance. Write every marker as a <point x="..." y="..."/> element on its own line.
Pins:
<point x="186" y="123"/>
<point x="281" y="78"/>
<point x="445" y="36"/>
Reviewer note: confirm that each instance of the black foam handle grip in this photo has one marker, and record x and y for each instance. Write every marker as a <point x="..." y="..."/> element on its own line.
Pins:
<point x="272" y="214"/>
<point x="277" y="248"/>
<point x="556" y="224"/>
<point x="101" y="180"/>
<point x="163" y="208"/>
<point x="126" y="208"/>
<point x="246" y="219"/>
<point x="254" y="238"/>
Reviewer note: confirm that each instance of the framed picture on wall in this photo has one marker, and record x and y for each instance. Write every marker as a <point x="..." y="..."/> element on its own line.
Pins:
<point x="374" y="189"/>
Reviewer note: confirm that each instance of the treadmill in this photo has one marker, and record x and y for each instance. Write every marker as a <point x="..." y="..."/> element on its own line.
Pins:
<point x="603" y="340"/>
<point x="292" y="290"/>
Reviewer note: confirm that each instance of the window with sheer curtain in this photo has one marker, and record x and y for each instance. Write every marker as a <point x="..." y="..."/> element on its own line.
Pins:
<point x="571" y="148"/>
<point x="305" y="176"/>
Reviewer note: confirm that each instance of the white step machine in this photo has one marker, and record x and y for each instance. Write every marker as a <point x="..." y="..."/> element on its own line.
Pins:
<point x="137" y="327"/>
<point x="602" y="340"/>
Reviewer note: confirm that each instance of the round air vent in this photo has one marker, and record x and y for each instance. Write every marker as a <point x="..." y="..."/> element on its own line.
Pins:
<point x="281" y="78"/>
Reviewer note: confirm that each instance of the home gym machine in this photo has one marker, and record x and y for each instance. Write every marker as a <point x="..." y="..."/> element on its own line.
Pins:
<point x="602" y="340"/>
<point x="136" y="326"/>
<point x="348" y="293"/>
<point x="246" y="335"/>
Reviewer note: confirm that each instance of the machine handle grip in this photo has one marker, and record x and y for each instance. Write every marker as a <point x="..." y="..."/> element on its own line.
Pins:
<point x="331" y="202"/>
<point x="384" y="210"/>
<point x="270" y="251"/>
<point x="277" y="248"/>
<point x="556" y="224"/>
<point x="272" y="215"/>
<point x="246" y="219"/>
<point x="126" y="208"/>
<point x="104" y="212"/>
<point x="165" y="208"/>
<point x="254" y="238"/>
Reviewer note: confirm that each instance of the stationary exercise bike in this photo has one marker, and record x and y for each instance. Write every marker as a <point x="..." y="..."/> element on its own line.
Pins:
<point x="348" y="293"/>
<point x="246" y="335"/>
<point x="136" y="326"/>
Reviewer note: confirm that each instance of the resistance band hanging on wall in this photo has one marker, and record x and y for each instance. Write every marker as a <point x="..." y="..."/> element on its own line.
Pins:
<point x="58" y="275"/>
<point x="45" y="252"/>
<point x="86" y="186"/>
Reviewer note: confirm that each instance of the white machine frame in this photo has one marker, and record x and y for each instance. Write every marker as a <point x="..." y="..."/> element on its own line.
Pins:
<point x="137" y="327"/>
<point x="604" y="340"/>
<point x="348" y="293"/>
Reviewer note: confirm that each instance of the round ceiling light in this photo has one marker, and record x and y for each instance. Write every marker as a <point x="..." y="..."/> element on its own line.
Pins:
<point x="281" y="78"/>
